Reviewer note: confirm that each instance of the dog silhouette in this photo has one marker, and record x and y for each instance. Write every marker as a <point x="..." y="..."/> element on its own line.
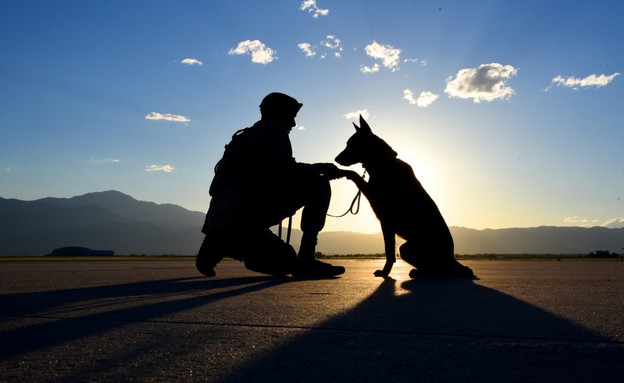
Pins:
<point x="403" y="208"/>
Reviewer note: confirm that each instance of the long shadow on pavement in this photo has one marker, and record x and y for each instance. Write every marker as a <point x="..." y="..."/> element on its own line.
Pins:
<point x="441" y="331"/>
<point x="90" y="307"/>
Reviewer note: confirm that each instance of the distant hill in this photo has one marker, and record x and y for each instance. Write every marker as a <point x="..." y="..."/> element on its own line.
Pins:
<point x="112" y="220"/>
<point x="538" y="240"/>
<point x="535" y="240"/>
<point x="105" y="220"/>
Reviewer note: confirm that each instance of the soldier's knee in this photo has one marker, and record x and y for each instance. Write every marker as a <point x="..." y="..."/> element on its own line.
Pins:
<point x="322" y="185"/>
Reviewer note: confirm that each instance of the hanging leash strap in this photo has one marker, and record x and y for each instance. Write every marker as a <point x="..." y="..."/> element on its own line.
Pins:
<point x="354" y="208"/>
<point x="355" y="204"/>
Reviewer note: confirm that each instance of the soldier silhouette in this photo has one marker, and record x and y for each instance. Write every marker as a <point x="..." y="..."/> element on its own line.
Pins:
<point x="258" y="183"/>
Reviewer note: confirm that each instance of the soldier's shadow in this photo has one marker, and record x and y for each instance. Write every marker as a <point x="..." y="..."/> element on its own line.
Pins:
<point x="96" y="310"/>
<point x="441" y="330"/>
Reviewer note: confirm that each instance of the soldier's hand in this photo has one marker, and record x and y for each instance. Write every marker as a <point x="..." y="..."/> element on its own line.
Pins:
<point x="330" y="171"/>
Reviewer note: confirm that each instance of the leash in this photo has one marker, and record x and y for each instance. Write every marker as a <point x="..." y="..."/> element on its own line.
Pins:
<point x="354" y="208"/>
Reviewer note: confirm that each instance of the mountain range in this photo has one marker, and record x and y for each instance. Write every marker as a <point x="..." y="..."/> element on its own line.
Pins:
<point x="115" y="221"/>
<point x="105" y="221"/>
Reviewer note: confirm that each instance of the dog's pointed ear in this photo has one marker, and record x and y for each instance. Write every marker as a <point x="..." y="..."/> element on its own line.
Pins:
<point x="364" y="125"/>
<point x="357" y="128"/>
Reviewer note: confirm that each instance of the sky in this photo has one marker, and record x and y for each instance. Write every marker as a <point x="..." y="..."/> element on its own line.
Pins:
<point x="510" y="112"/>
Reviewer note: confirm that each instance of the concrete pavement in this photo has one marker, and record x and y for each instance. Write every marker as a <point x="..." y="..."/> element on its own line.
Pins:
<point x="159" y="321"/>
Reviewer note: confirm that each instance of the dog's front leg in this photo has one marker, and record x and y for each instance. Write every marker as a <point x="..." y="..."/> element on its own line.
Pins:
<point x="390" y="247"/>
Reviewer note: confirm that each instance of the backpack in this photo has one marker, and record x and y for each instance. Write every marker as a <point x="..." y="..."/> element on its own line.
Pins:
<point x="237" y="159"/>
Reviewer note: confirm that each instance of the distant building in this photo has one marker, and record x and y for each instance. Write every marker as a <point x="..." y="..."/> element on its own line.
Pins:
<point x="75" y="251"/>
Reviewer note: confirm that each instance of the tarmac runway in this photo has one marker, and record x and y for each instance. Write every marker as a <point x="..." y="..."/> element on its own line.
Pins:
<point x="160" y="321"/>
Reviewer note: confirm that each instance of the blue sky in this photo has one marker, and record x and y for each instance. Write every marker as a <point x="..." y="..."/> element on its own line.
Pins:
<point x="510" y="112"/>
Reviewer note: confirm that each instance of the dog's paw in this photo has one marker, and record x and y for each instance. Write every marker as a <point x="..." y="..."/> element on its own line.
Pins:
<point x="381" y="273"/>
<point x="349" y="174"/>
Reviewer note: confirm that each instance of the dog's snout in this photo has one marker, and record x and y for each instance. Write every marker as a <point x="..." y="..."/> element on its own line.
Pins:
<point x="344" y="159"/>
<point x="340" y="158"/>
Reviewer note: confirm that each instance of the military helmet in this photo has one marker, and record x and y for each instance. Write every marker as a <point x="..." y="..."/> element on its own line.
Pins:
<point x="279" y="104"/>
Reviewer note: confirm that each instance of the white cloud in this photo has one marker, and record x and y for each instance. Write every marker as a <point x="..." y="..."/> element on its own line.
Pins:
<point x="307" y="49"/>
<point x="389" y="56"/>
<point x="331" y="44"/>
<point x="415" y="60"/>
<point x="311" y="7"/>
<point x="159" y="168"/>
<point x="260" y="53"/>
<point x="614" y="222"/>
<point x="580" y="221"/>
<point x="409" y="96"/>
<point x="424" y="99"/>
<point x="189" y="61"/>
<point x="485" y="83"/>
<point x="575" y="219"/>
<point x="108" y="160"/>
<point x="591" y="80"/>
<point x="167" y="117"/>
<point x="356" y="115"/>
<point x="370" y="69"/>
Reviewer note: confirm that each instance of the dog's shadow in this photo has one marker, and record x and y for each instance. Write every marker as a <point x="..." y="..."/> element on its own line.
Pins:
<point x="442" y="330"/>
